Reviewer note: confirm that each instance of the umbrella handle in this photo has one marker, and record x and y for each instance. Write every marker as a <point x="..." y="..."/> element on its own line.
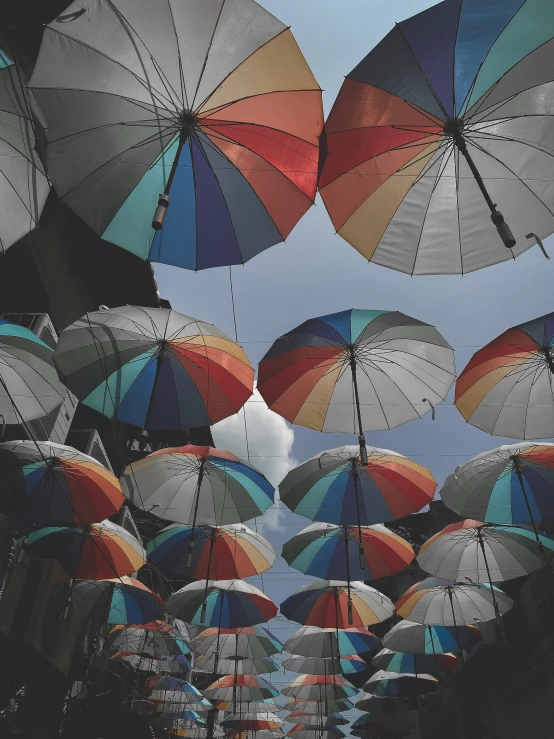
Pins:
<point x="539" y="243"/>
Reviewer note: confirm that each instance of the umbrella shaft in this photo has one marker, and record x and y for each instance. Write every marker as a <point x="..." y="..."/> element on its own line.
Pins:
<point x="361" y="437"/>
<point x="461" y="144"/>
<point x="494" y="601"/>
<point x="530" y="512"/>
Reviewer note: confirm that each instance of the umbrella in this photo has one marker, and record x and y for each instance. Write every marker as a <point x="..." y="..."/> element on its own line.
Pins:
<point x="356" y="371"/>
<point x="221" y="603"/>
<point x="309" y="719"/>
<point x="209" y="104"/>
<point x="29" y="386"/>
<point x="414" y="663"/>
<point x="223" y="666"/>
<point x="506" y="388"/>
<point x="316" y="707"/>
<point x="195" y="483"/>
<point x="333" y="552"/>
<point x="400" y="685"/>
<point x="176" y="665"/>
<point x="123" y="601"/>
<point x="259" y="734"/>
<point x="444" y="119"/>
<point x="98" y="552"/>
<point x="156" y="639"/>
<point x="46" y="483"/>
<point x="241" y="688"/>
<point x="311" y="641"/>
<point x="414" y="638"/>
<point x="328" y="603"/>
<point x="154" y="368"/>
<point x="197" y="733"/>
<point x="23" y="184"/>
<point x="164" y="688"/>
<point x="252" y="721"/>
<point x="383" y="705"/>
<point x="267" y="705"/>
<point x="454" y="604"/>
<point x="218" y="553"/>
<point x="319" y="687"/>
<point x="188" y="720"/>
<point x="307" y="732"/>
<point x="335" y="487"/>
<point x="477" y="552"/>
<point x="347" y="665"/>
<point x="248" y="642"/>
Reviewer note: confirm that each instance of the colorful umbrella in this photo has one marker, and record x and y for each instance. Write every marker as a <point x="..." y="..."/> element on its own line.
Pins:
<point x="356" y="371"/>
<point x="414" y="663"/>
<point x="224" y="666"/>
<point x="221" y="603"/>
<point x="98" y="552"/>
<point x="29" y="385"/>
<point x="481" y="552"/>
<point x="333" y="552"/>
<point x="177" y="665"/>
<point x="210" y="552"/>
<point x="444" y="119"/>
<point x="260" y="734"/>
<point x="311" y="641"/>
<point x="188" y="720"/>
<point x="309" y="719"/>
<point x="319" y="688"/>
<point x="400" y="685"/>
<point x="211" y="104"/>
<point x="249" y="642"/>
<point x="255" y="706"/>
<point x="383" y="705"/>
<point x="122" y="601"/>
<point x="156" y="639"/>
<point x="415" y="638"/>
<point x="316" y="707"/>
<point x="46" y="483"/>
<point x="162" y="688"/>
<point x="197" y="733"/>
<point x="252" y="721"/>
<point x="348" y="665"/>
<point x="154" y="368"/>
<point x="333" y="603"/>
<point x="23" y="184"/>
<point x="335" y="487"/>
<point x="506" y="388"/>
<point x="240" y="688"/>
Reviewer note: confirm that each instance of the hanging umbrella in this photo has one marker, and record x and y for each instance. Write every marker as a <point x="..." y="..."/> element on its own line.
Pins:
<point x="196" y="483"/>
<point x="319" y="687"/>
<point x="29" y="385"/>
<point x="414" y="638"/>
<point x="121" y="601"/>
<point x="188" y="720"/>
<point x="197" y="733"/>
<point x="97" y="552"/>
<point x="265" y="706"/>
<point x="167" y="689"/>
<point x="414" y="663"/>
<point x="154" y="368"/>
<point x="177" y="665"/>
<point x="311" y="641"/>
<point x="211" y="552"/>
<point x="333" y="552"/>
<point x="506" y="388"/>
<point x="23" y="184"/>
<point x="455" y="604"/>
<point x="307" y="732"/>
<point x="260" y="734"/>
<point x="479" y="552"/>
<point x="209" y="104"/>
<point x="156" y="639"/>
<point x="252" y="721"/>
<point x="46" y="483"/>
<point x="400" y="685"/>
<point x="241" y="688"/>
<point x="356" y="371"/>
<point x="383" y="705"/>
<point x="308" y="719"/>
<point x="329" y="603"/>
<point x="249" y="642"/>
<point x="225" y="666"/>
<point x="347" y="665"/>
<point x="221" y="603"/>
<point x="316" y="707"/>
<point x="439" y="128"/>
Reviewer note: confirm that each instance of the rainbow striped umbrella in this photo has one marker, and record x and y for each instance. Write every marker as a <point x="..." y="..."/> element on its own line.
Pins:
<point x="260" y="734"/>
<point x="196" y="483"/>
<point x="315" y="707"/>
<point x="168" y="689"/>
<point x="211" y="552"/>
<point x="310" y="719"/>
<point x="156" y="639"/>
<point x="311" y="641"/>
<point x="399" y="685"/>
<point x="414" y="663"/>
<point x="98" y="552"/>
<point x="154" y="368"/>
<point x="334" y="552"/>
<point x="414" y="638"/>
<point x="240" y="688"/>
<point x="261" y="706"/>
<point x="242" y="666"/>
<point x="319" y="688"/>
<point x="46" y="483"/>
<point x="121" y="601"/>
<point x="335" y="487"/>
<point x="197" y="733"/>
<point x="348" y="665"/>
<point x="250" y="642"/>
<point x="252" y="721"/>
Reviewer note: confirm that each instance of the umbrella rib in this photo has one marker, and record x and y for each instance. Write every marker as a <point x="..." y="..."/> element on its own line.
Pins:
<point x="18" y="195"/>
<point x="487" y="136"/>
<point x="184" y="97"/>
<point x="204" y="63"/>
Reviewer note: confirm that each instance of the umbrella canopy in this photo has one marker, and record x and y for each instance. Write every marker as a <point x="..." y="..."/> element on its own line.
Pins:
<point x="267" y="705"/>
<point x="188" y="720"/>
<point x="383" y="704"/>
<point x="29" y="385"/>
<point x="319" y="688"/>
<point x="355" y="371"/>
<point x="412" y="171"/>
<point x="46" y="483"/>
<point x="211" y="552"/>
<point x="122" y="601"/>
<point x="192" y="101"/>
<point x="156" y="639"/>
<point x="177" y="665"/>
<point x="414" y="638"/>
<point x="335" y="487"/>
<point x="316" y="707"/>
<point x="154" y="368"/>
<point x="335" y="552"/>
<point x="414" y="663"/>
<point x="260" y="734"/>
<point x="196" y="733"/>
<point x="23" y="185"/>
<point x="506" y="388"/>
<point x="309" y="719"/>
<point x="326" y="603"/>
<point x="483" y="552"/>
<point x="249" y="642"/>
<point x="311" y="641"/>
<point x="349" y="665"/>
<point x="225" y="666"/>
<point x="400" y="685"/>
<point x="252" y="721"/>
<point x="221" y="603"/>
<point x="450" y="605"/>
<point x="240" y="688"/>
<point x="161" y="688"/>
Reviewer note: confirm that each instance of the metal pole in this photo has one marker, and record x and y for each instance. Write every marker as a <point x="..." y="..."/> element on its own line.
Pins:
<point x="455" y="625"/>
<point x="159" y="361"/>
<point x="357" y="495"/>
<point x="361" y="437"/>
<point x="163" y="200"/>
<point x="517" y="468"/>
<point x="350" y="617"/>
<point x="204" y="604"/>
<point x="494" y="601"/>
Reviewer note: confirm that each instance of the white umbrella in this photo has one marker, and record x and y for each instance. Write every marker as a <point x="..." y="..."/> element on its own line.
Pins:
<point x="413" y="638"/>
<point x="311" y="641"/>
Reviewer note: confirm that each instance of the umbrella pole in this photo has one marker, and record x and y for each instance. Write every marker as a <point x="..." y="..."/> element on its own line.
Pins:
<point x="462" y="659"/>
<point x="494" y="601"/>
<point x="350" y="617"/>
<point x="163" y="200"/>
<point x="212" y="711"/>
<point x="212" y="543"/>
<point x="361" y="437"/>
<point x="159" y="362"/>
<point x="357" y="495"/>
<point x="190" y="549"/>
<point x="540" y="546"/>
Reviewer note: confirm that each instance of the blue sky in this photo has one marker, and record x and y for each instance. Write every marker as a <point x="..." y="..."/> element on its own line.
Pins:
<point x="316" y="272"/>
